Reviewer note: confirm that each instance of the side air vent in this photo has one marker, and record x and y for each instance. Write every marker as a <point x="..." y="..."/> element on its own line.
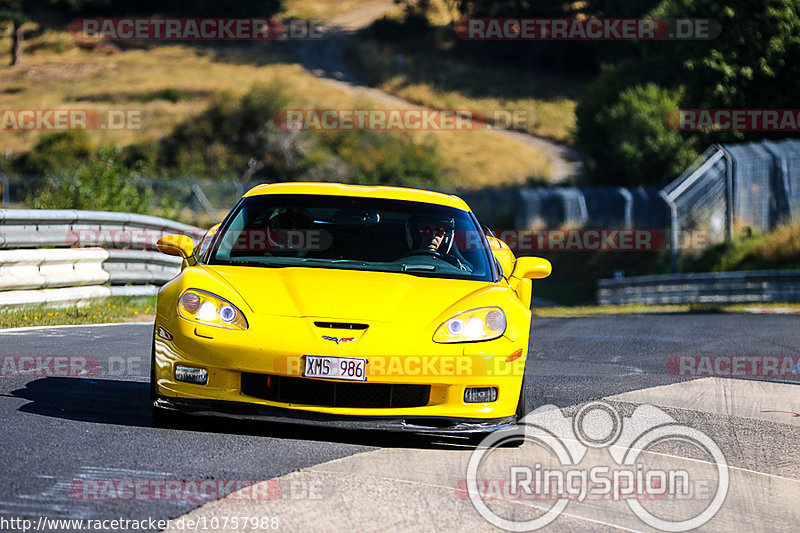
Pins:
<point x="340" y="325"/>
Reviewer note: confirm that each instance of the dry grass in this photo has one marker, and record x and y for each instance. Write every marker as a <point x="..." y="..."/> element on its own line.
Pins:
<point x="58" y="75"/>
<point x="545" y="102"/>
<point x="321" y="9"/>
<point x="778" y="249"/>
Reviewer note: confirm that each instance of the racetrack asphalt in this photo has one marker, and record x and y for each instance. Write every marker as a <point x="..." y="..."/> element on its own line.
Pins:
<point x="64" y="434"/>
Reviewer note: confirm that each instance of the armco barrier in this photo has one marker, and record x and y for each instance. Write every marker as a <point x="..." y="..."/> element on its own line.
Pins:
<point x="137" y="267"/>
<point x="33" y="228"/>
<point x="119" y="254"/>
<point x="723" y="287"/>
<point x="41" y="269"/>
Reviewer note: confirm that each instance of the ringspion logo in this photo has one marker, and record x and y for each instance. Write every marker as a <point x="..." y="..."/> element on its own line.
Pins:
<point x="598" y="455"/>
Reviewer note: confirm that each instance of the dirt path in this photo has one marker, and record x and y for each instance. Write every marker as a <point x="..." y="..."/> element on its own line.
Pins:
<point x="325" y="59"/>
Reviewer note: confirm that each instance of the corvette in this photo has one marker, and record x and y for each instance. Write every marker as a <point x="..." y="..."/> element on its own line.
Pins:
<point x="346" y="306"/>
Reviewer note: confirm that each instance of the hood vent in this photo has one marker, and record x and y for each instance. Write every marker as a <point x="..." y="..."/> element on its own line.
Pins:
<point x="340" y="325"/>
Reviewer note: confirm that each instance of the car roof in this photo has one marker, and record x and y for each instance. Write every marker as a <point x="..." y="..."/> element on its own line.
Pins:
<point x="362" y="191"/>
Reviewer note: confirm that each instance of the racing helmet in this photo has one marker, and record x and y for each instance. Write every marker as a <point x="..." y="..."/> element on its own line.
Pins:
<point x="284" y="220"/>
<point x="423" y="228"/>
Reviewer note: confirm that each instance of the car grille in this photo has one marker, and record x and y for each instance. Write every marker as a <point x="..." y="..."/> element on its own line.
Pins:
<point x="333" y="393"/>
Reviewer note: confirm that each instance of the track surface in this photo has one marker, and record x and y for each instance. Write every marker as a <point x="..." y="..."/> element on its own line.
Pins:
<point x="60" y="432"/>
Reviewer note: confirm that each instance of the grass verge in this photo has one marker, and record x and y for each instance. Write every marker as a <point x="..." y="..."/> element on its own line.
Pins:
<point x="778" y="249"/>
<point x="122" y="309"/>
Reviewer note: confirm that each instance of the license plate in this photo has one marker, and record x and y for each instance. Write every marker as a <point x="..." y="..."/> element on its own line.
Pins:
<point x="320" y="366"/>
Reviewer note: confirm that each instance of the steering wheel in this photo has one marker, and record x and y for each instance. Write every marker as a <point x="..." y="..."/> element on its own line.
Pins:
<point x="425" y="251"/>
<point x="438" y="255"/>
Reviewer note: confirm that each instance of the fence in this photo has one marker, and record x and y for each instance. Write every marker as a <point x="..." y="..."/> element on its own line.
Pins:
<point x="206" y="198"/>
<point x="119" y="253"/>
<point x="723" y="287"/>
<point x="734" y="186"/>
<point x="573" y="207"/>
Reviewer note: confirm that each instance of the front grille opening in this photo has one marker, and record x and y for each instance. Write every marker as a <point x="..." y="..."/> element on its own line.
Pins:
<point x="321" y="393"/>
<point x="340" y="325"/>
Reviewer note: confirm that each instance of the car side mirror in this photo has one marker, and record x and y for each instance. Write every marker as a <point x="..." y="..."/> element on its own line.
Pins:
<point x="179" y="245"/>
<point x="531" y="268"/>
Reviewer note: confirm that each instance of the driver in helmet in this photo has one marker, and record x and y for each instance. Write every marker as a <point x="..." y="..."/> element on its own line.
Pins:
<point x="434" y="234"/>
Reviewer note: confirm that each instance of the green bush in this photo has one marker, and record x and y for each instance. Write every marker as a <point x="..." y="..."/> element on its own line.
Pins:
<point x="103" y="184"/>
<point x="387" y="159"/>
<point x="57" y="153"/>
<point x="222" y="139"/>
<point x="234" y="137"/>
<point x="630" y="141"/>
<point x="234" y="134"/>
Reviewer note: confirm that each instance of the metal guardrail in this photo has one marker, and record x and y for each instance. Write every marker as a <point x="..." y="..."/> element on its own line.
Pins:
<point x="119" y="254"/>
<point x="41" y="269"/>
<point x="137" y="267"/>
<point x="32" y="228"/>
<point x="723" y="287"/>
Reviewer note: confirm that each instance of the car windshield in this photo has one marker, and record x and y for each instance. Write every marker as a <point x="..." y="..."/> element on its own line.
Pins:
<point x="353" y="233"/>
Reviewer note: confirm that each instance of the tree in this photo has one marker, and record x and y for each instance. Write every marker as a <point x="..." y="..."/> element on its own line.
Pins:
<point x="632" y="143"/>
<point x="11" y="13"/>
<point x="754" y="62"/>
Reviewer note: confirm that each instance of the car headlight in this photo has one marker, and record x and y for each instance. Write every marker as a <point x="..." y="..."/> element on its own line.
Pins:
<point x="483" y="324"/>
<point x="210" y="309"/>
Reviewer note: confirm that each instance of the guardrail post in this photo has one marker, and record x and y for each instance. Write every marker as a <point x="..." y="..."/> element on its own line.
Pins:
<point x="674" y="229"/>
<point x="4" y="188"/>
<point x="728" y="192"/>
<point x="628" y="210"/>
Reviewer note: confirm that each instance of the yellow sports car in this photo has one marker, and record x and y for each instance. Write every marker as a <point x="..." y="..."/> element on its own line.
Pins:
<point x="347" y="306"/>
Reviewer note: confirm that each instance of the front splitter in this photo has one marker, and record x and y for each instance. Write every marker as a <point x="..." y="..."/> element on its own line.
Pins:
<point x="412" y="424"/>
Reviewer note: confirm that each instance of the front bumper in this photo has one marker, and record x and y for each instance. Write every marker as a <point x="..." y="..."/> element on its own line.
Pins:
<point x="414" y="424"/>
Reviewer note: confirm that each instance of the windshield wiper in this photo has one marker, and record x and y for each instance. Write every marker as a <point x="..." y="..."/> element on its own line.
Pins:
<point x="252" y="263"/>
<point x="424" y="268"/>
<point x="337" y="261"/>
